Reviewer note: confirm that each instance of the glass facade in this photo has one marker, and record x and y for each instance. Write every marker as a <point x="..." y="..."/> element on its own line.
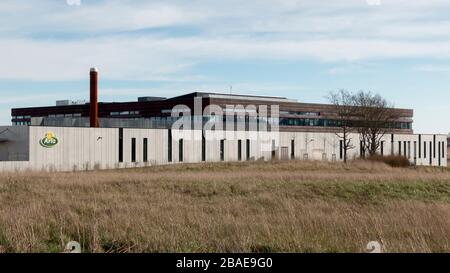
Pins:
<point x="331" y="123"/>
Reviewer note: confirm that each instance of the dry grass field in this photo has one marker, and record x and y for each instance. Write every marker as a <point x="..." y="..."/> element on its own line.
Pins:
<point x="247" y="207"/>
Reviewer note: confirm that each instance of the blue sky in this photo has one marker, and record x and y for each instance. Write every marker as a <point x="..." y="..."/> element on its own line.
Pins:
<point x="294" y="48"/>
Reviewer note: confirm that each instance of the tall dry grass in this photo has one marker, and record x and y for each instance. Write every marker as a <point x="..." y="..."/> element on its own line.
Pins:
<point x="229" y="207"/>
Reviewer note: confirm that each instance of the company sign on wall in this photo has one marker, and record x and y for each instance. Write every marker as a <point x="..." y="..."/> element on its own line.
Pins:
<point x="49" y="141"/>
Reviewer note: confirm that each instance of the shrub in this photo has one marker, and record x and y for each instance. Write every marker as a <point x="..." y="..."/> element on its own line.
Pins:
<point x="395" y="161"/>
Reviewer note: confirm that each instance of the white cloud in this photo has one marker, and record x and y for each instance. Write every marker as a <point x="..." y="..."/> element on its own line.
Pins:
<point x="151" y="58"/>
<point x="102" y="33"/>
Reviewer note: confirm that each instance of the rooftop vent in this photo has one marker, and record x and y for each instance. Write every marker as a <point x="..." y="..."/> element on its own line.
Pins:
<point x="70" y="102"/>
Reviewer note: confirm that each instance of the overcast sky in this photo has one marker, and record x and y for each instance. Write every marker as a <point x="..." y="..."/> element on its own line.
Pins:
<point x="294" y="48"/>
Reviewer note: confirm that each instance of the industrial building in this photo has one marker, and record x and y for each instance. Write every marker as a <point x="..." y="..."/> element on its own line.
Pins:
<point x="91" y="135"/>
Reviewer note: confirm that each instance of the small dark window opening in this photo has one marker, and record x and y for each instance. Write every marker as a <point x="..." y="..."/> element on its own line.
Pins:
<point x="382" y="148"/>
<point x="420" y="146"/>
<point x="415" y="151"/>
<point x="341" y="149"/>
<point x="239" y="150"/>
<point x="222" y="150"/>
<point x="203" y="148"/>
<point x="145" y="150"/>
<point x="133" y="150"/>
<point x="180" y="150"/>
<point x="120" y="144"/>
<point x="292" y="149"/>
<point x="169" y="146"/>
<point x="409" y="149"/>
<point x="439" y="153"/>
<point x="443" y="149"/>
<point x="392" y="144"/>
<point x="434" y="146"/>
<point x="362" y="151"/>
<point x="273" y="149"/>
<point x="399" y="148"/>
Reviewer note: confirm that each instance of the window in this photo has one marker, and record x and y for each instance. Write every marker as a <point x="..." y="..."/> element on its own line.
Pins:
<point x="404" y="148"/>
<point x="222" y="150"/>
<point x="439" y="153"/>
<point x="169" y="146"/>
<point x="409" y="149"/>
<point x="203" y="148"/>
<point x="443" y="149"/>
<point x="341" y="149"/>
<point x="292" y="149"/>
<point x="392" y="144"/>
<point x="300" y="113"/>
<point x="180" y="150"/>
<point x="133" y="150"/>
<point x="420" y="146"/>
<point x="434" y="146"/>
<point x="361" y="150"/>
<point x="382" y="148"/>
<point x="273" y="149"/>
<point x="247" y="147"/>
<point x="415" y="151"/>
<point x="145" y="150"/>
<point x="399" y="148"/>
<point x="121" y="145"/>
<point x="239" y="150"/>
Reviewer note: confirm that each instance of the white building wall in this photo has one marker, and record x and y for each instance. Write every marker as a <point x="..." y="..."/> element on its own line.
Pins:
<point x="89" y="148"/>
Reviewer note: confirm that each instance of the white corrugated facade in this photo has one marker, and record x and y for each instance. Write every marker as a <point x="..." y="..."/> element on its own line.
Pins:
<point x="98" y="148"/>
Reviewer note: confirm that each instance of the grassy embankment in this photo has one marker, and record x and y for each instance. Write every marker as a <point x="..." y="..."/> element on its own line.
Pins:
<point x="237" y="207"/>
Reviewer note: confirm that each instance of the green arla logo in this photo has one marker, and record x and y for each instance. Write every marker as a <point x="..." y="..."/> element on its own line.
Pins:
<point x="49" y="140"/>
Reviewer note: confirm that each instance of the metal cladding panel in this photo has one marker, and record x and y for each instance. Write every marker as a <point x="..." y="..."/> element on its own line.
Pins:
<point x="76" y="149"/>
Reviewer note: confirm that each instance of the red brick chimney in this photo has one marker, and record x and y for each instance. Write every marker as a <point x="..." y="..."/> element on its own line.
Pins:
<point x="94" y="98"/>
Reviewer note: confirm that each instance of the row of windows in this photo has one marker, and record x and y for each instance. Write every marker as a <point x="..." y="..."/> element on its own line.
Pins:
<point x="65" y="115"/>
<point x="145" y="146"/>
<point x="124" y="113"/>
<point x="181" y="149"/>
<point x="404" y="149"/>
<point x="331" y="123"/>
<point x="316" y="114"/>
<point x="21" y="117"/>
<point x="22" y="123"/>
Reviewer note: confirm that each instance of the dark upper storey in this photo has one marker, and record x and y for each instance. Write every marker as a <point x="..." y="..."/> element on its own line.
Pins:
<point x="294" y="116"/>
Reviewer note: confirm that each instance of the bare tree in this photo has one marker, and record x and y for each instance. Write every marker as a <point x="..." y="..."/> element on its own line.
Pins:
<point x="343" y="103"/>
<point x="375" y="117"/>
